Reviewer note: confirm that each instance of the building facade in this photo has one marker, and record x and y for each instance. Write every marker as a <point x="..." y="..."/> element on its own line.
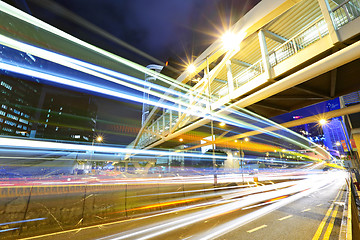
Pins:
<point x="18" y="101"/>
<point x="67" y="116"/>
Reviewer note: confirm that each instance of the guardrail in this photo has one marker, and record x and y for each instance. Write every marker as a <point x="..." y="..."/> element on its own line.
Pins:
<point x="35" y="210"/>
<point x="350" y="223"/>
<point x="345" y="12"/>
<point x="301" y="40"/>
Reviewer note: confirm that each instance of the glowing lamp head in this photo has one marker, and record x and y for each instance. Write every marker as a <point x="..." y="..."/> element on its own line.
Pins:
<point x="231" y="41"/>
<point x="236" y="141"/>
<point x="247" y="139"/>
<point x="222" y="124"/>
<point x="99" y="139"/>
<point x="337" y="143"/>
<point x="322" y="122"/>
<point x="181" y="140"/>
<point x="191" y="68"/>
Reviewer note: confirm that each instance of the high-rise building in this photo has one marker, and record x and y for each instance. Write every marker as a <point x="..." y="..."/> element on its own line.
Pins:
<point x="334" y="134"/>
<point x="69" y="116"/>
<point x="18" y="100"/>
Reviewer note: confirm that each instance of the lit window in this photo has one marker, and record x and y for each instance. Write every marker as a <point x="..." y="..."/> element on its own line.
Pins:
<point x="4" y="84"/>
<point x="12" y="116"/>
<point x="23" y="121"/>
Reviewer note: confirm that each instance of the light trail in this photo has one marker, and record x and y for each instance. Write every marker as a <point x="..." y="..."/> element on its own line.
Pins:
<point x="33" y="144"/>
<point x="300" y="189"/>
<point x="23" y="221"/>
<point x="8" y="9"/>
<point x="98" y="72"/>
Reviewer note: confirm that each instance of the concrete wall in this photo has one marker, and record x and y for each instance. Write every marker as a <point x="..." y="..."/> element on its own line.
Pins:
<point x="36" y="210"/>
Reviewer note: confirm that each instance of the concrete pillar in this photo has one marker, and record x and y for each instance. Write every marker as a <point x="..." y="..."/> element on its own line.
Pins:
<point x="230" y="80"/>
<point x="325" y="10"/>
<point x="356" y="136"/>
<point x="264" y="53"/>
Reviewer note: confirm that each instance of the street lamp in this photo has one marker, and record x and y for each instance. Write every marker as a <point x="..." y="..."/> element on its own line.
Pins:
<point x="231" y="40"/>
<point x="191" y="68"/>
<point x="322" y="122"/>
<point x="98" y="139"/>
<point x="337" y="143"/>
<point x="222" y="124"/>
<point x="241" y="156"/>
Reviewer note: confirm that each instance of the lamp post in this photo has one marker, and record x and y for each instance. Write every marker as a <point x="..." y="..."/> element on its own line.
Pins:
<point x="241" y="156"/>
<point x="97" y="139"/>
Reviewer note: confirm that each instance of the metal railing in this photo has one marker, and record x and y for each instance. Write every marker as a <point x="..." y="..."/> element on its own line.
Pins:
<point x="248" y="74"/>
<point x="345" y="12"/>
<point x="301" y="40"/>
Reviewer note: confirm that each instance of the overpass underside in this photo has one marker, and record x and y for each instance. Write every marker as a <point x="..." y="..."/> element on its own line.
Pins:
<point x="291" y="54"/>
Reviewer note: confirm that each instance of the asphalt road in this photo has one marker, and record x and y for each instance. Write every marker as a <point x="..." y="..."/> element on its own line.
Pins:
<point x="300" y="209"/>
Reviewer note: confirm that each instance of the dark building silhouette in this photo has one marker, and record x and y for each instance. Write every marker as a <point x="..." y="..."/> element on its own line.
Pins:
<point x="67" y="116"/>
<point x="18" y="101"/>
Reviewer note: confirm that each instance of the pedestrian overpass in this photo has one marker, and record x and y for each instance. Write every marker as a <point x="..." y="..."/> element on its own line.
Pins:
<point x="283" y="55"/>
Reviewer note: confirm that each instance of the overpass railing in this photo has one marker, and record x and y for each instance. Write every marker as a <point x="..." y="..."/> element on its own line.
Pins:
<point x="167" y="123"/>
<point x="345" y="12"/>
<point x="301" y="40"/>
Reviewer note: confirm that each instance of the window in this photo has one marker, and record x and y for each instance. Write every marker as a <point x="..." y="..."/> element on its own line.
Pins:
<point x="23" y="121"/>
<point x="7" y="129"/>
<point x="16" y="111"/>
<point x="4" y="84"/>
<point x="2" y="113"/>
<point x="12" y="116"/>
<point x="10" y="123"/>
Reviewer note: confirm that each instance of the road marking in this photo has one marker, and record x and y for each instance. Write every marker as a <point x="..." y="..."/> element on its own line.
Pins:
<point x="306" y="210"/>
<point x="323" y="222"/>
<point x="319" y="205"/>
<point x="283" y="218"/>
<point x="331" y="224"/>
<point x="257" y="228"/>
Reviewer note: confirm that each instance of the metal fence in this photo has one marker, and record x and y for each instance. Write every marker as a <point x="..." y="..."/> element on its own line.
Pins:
<point x="304" y="38"/>
<point x="345" y="12"/>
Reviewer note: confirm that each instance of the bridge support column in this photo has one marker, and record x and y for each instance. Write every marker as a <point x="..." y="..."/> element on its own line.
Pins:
<point x="230" y="79"/>
<point x="325" y="10"/>
<point x="356" y="135"/>
<point x="264" y="53"/>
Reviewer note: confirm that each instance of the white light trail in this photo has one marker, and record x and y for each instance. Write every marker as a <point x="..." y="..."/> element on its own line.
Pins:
<point x="33" y="144"/>
<point x="300" y="189"/>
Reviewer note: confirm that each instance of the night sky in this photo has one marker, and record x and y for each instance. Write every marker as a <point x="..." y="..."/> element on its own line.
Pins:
<point x="179" y="30"/>
<point x="161" y="28"/>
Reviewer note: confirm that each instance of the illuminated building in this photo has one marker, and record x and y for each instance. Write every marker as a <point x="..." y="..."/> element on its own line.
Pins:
<point x="334" y="133"/>
<point x="69" y="116"/>
<point x="18" y="99"/>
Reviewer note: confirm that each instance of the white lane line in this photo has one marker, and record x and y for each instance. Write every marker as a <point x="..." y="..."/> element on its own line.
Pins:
<point x="319" y="205"/>
<point x="306" y="210"/>
<point x="257" y="228"/>
<point x="283" y="218"/>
